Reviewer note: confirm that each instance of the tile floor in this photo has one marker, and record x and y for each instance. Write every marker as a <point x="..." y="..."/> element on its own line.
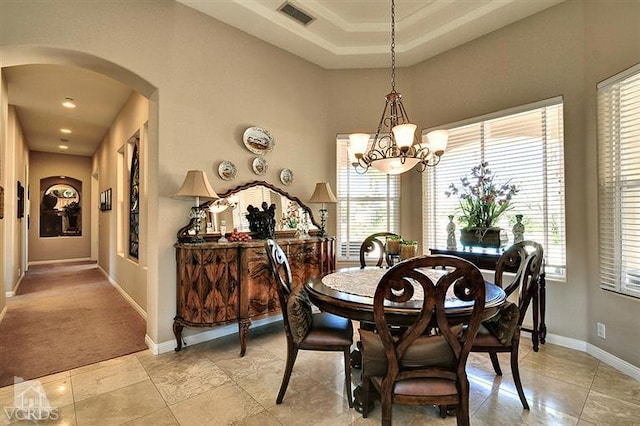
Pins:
<point x="209" y="384"/>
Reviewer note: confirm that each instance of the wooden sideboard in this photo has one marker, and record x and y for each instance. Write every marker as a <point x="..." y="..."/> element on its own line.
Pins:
<point x="223" y="283"/>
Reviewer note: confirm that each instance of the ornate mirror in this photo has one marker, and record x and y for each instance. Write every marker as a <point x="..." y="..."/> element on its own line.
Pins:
<point x="291" y="213"/>
<point x="60" y="212"/>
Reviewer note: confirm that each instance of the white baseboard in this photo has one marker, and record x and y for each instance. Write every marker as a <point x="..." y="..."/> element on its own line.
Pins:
<point x="596" y="352"/>
<point x="567" y="342"/>
<point x="614" y="361"/>
<point x="204" y="336"/>
<point x="124" y="294"/>
<point x="47" y="262"/>
<point x="13" y="292"/>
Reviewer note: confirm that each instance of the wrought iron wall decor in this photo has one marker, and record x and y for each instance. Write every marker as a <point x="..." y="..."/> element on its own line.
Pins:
<point x="134" y="199"/>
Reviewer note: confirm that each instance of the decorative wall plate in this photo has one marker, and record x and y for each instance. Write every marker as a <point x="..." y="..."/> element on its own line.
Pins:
<point x="227" y="170"/>
<point x="259" y="166"/>
<point x="286" y="176"/>
<point x="258" y="140"/>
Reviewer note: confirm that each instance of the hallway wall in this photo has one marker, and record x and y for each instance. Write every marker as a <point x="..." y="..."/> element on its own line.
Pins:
<point x="15" y="245"/>
<point x="129" y="273"/>
<point x="44" y="165"/>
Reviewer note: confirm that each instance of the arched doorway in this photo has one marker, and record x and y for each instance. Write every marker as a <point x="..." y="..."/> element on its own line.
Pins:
<point x="110" y="262"/>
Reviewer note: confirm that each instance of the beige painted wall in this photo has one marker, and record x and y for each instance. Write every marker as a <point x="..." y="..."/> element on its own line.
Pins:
<point x="207" y="82"/>
<point x="4" y="117"/>
<point x="44" y="165"/>
<point x="612" y="44"/>
<point x="128" y="273"/>
<point x="15" y="228"/>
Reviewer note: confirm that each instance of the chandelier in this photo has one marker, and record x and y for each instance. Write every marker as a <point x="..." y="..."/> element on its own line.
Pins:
<point x="395" y="148"/>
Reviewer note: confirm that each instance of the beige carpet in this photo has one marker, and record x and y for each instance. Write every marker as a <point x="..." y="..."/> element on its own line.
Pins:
<point x="64" y="316"/>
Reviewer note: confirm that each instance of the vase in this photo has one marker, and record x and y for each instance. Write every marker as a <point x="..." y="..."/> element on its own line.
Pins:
<point x="493" y="237"/>
<point x="393" y="246"/>
<point x="407" y="251"/>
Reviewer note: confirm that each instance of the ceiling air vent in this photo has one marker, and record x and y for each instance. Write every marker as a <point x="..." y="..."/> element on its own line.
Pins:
<point x="291" y="10"/>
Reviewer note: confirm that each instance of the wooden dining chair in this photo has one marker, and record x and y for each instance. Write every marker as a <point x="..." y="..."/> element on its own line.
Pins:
<point x="425" y="364"/>
<point x="501" y="333"/>
<point x="373" y="242"/>
<point x="306" y="330"/>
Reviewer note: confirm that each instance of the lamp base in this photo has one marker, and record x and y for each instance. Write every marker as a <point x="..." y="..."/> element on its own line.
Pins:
<point x="323" y="221"/>
<point x="191" y="233"/>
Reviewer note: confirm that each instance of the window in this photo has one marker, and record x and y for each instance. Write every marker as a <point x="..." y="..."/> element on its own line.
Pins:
<point x="367" y="203"/>
<point x="523" y="145"/>
<point x="619" y="182"/>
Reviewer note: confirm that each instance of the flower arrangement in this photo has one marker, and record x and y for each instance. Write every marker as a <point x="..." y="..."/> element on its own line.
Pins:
<point x="72" y="209"/>
<point x="291" y="217"/>
<point x="482" y="201"/>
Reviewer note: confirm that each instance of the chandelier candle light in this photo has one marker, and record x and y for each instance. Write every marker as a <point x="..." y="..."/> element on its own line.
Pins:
<point x="395" y="148"/>
<point x="323" y="194"/>
<point x="196" y="185"/>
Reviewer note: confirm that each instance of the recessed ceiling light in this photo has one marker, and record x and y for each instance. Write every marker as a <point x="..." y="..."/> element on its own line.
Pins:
<point x="65" y="131"/>
<point x="63" y="147"/>
<point x="68" y="103"/>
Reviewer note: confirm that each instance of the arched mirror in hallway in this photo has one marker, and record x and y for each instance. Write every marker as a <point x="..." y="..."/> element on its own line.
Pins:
<point x="60" y="207"/>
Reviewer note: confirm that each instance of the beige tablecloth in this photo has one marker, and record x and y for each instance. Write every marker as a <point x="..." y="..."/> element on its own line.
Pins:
<point x="363" y="282"/>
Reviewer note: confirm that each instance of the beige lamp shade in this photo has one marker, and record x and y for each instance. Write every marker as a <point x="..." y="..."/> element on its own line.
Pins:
<point x="196" y="185"/>
<point x="323" y="194"/>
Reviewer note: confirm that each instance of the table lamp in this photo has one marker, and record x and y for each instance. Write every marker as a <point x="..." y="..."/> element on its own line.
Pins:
<point x="323" y="194"/>
<point x="196" y="185"/>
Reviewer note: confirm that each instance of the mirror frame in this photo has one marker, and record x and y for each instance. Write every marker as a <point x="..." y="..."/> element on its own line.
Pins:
<point x="274" y="189"/>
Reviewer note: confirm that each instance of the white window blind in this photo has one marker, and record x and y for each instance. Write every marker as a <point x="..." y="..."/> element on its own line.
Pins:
<point x="619" y="182"/>
<point x="523" y="146"/>
<point x="367" y="204"/>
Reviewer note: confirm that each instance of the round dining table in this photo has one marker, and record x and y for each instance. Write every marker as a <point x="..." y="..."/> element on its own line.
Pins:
<point x="348" y="292"/>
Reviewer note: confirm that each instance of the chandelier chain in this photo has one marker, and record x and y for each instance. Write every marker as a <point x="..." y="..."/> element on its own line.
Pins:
<point x="393" y="46"/>
<point x="395" y="148"/>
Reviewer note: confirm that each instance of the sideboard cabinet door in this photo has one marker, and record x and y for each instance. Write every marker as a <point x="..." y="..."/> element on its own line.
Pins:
<point x="207" y="288"/>
<point x="261" y="296"/>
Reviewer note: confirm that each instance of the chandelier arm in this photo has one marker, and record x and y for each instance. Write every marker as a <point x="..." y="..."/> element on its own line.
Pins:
<point x="380" y="125"/>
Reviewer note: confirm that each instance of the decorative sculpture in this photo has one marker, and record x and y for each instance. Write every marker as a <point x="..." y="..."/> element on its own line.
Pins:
<point x="262" y="222"/>
<point x="451" y="235"/>
<point x="518" y="230"/>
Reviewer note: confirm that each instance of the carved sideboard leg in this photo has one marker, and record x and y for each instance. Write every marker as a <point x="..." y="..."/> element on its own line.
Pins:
<point x="177" y="331"/>
<point x="243" y="329"/>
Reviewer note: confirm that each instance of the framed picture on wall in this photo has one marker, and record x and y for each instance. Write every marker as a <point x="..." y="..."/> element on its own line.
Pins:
<point x="105" y="200"/>
<point x="108" y="199"/>
<point x="20" y="200"/>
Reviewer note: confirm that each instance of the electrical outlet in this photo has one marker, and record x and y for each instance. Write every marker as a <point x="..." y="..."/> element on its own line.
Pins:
<point x="602" y="331"/>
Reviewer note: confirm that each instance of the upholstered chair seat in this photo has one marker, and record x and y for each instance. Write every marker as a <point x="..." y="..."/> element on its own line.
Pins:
<point x="328" y="330"/>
